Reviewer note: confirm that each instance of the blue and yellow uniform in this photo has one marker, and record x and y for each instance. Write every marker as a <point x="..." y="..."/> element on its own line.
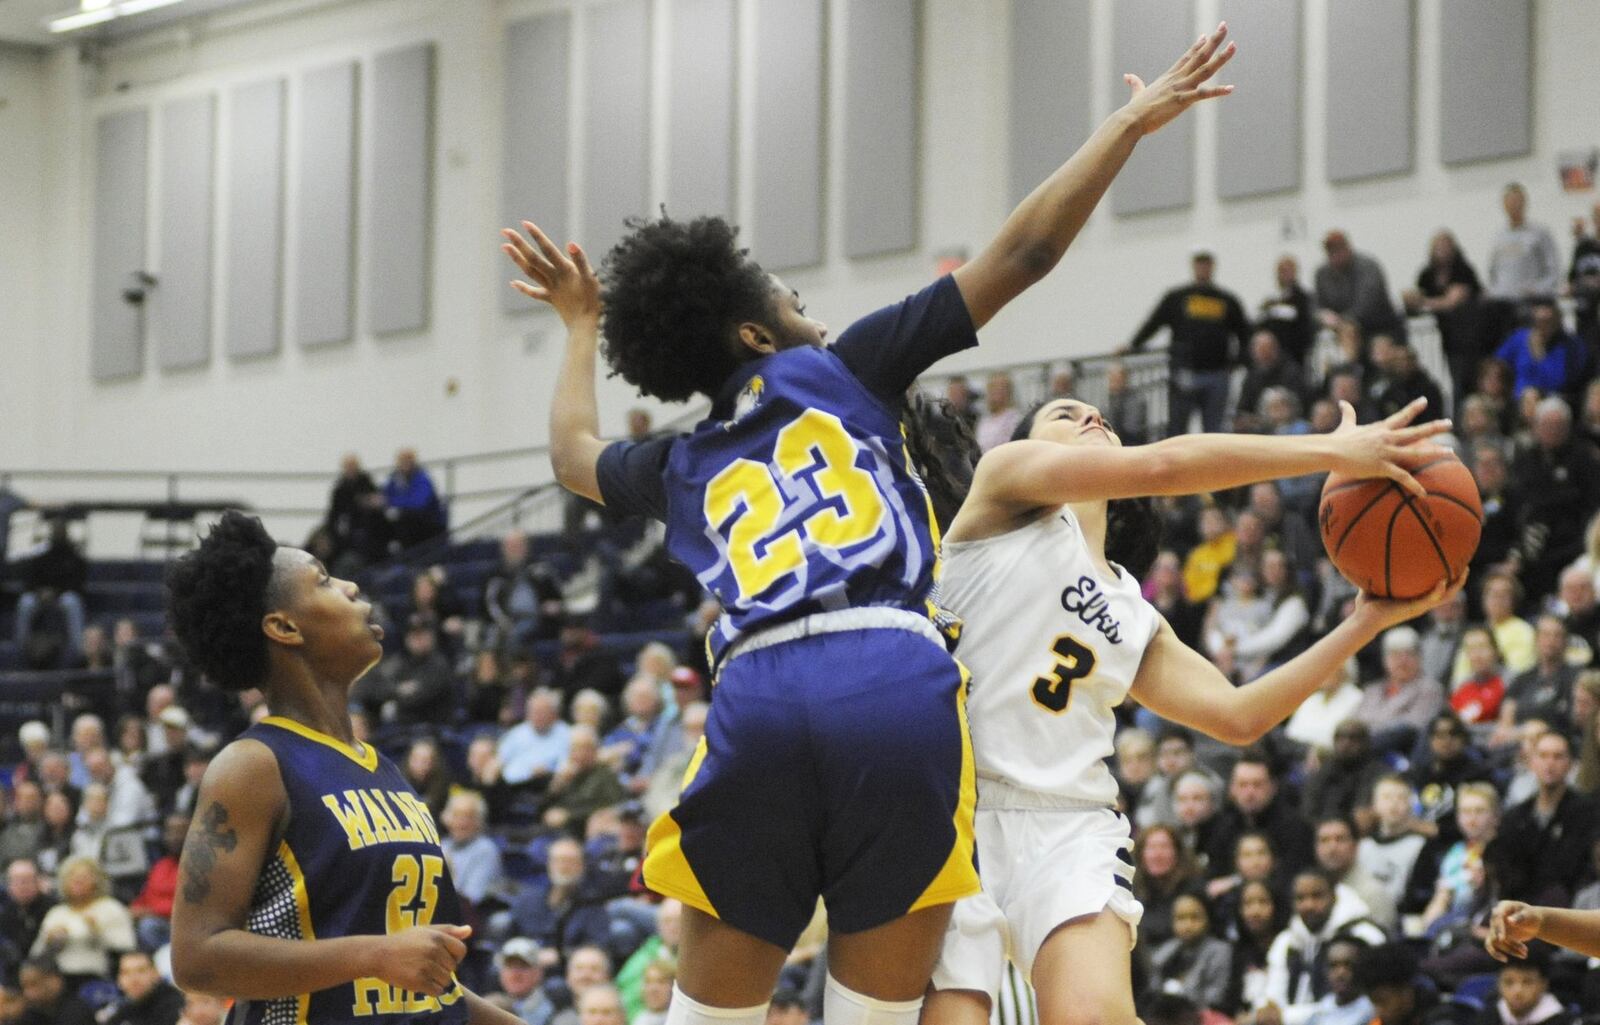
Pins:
<point x="836" y="760"/>
<point x="359" y="856"/>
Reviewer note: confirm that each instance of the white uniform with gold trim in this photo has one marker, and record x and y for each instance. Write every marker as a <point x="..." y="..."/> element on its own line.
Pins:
<point x="1053" y="644"/>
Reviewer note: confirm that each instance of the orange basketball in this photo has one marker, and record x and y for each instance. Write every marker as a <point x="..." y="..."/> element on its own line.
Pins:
<point x="1394" y="545"/>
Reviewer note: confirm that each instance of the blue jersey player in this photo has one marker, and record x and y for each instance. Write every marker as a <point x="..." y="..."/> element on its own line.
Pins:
<point x="312" y="885"/>
<point x="836" y="761"/>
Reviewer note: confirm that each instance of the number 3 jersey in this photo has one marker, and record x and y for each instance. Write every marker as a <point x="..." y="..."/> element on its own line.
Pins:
<point x="796" y="495"/>
<point x="1053" y="645"/>
<point x="360" y="856"/>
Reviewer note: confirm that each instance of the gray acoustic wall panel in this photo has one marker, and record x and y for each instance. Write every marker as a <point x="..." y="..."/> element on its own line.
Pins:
<point x="1370" y="88"/>
<point x="617" y="125"/>
<point x="1147" y="35"/>
<point x="121" y="176"/>
<point x="254" y="291"/>
<point x="1486" y="80"/>
<point x="1050" y="88"/>
<point x="880" y="127"/>
<point x="537" y="86"/>
<point x="1258" y="127"/>
<point x="787" y="177"/>
<point x="700" y="111"/>
<point x="325" y="214"/>
<point x="180" y="308"/>
<point x="400" y="190"/>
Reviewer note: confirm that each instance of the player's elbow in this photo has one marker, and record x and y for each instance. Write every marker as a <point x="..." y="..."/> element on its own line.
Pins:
<point x="190" y="972"/>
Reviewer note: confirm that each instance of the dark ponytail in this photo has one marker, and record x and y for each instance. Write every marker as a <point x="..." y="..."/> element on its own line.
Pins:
<point x="943" y="449"/>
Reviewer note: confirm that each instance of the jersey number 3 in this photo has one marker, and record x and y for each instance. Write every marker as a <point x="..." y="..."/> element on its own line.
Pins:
<point x="815" y="445"/>
<point x="1074" y="662"/>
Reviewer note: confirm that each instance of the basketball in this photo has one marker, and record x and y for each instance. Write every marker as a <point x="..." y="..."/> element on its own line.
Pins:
<point x="1394" y="545"/>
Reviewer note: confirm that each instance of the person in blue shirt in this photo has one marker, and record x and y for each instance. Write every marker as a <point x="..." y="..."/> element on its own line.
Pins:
<point x="413" y="501"/>
<point x="1543" y="355"/>
<point x="836" y="761"/>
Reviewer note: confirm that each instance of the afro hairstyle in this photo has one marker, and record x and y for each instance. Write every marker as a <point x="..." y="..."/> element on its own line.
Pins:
<point x="217" y="596"/>
<point x="674" y="293"/>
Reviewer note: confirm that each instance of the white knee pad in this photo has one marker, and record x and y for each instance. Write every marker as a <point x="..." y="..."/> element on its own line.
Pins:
<point x="686" y="1011"/>
<point x="844" y="1006"/>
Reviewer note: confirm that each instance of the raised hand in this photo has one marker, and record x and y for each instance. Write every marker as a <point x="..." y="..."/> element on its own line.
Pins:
<point x="1390" y="447"/>
<point x="1183" y="84"/>
<point x="1386" y="612"/>
<point x="562" y="279"/>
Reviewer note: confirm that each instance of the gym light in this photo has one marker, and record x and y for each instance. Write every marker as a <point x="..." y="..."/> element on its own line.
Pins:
<point x="96" y="12"/>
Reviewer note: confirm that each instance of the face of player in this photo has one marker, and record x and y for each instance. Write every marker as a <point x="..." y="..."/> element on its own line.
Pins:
<point x="324" y="617"/>
<point x="1071" y="422"/>
<point x="791" y="328"/>
<point x="1313" y="901"/>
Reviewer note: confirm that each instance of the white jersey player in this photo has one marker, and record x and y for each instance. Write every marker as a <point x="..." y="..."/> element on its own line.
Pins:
<point x="1056" y="635"/>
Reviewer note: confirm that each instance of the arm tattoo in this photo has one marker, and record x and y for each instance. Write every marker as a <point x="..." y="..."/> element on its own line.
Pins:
<point x="209" y="836"/>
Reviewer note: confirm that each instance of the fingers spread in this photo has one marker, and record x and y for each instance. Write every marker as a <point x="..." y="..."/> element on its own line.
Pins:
<point x="546" y="247"/>
<point x="1408" y="414"/>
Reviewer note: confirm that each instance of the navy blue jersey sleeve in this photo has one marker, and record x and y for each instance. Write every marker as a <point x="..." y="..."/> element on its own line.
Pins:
<point x="888" y="349"/>
<point x="632" y="477"/>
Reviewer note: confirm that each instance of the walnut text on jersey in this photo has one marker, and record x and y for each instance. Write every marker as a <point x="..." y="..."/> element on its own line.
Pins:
<point x="1085" y="600"/>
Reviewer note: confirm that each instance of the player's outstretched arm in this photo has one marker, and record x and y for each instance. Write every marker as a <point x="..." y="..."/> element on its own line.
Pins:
<point x="1178" y="683"/>
<point x="1034" y="474"/>
<point x="236" y="826"/>
<point x="569" y="285"/>
<point x="1514" y="924"/>
<point x="1039" y="230"/>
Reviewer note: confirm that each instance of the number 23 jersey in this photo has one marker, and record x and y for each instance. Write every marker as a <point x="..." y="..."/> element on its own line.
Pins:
<point x="1053" y="645"/>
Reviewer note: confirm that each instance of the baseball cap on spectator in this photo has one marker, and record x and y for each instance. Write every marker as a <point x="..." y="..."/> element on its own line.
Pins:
<point x="175" y="717"/>
<point x="33" y="732"/>
<point x="519" y="949"/>
<point x="684" y="678"/>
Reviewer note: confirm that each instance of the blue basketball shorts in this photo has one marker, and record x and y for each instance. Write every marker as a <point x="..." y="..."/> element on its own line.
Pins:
<point x="835" y="765"/>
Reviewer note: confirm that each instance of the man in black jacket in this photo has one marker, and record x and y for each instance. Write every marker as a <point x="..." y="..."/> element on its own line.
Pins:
<point x="1254" y="803"/>
<point x="1208" y="327"/>
<point x="146" y="998"/>
<point x="45" y="992"/>
<point x="1550" y="833"/>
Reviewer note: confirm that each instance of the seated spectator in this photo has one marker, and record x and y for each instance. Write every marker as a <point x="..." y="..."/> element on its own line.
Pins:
<point x="60" y="823"/>
<point x="1545" y="691"/>
<point x="1202" y="569"/>
<point x="92" y="823"/>
<point x="1387" y="976"/>
<point x="1404" y="381"/>
<point x="152" y="908"/>
<point x="50" y="617"/>
<point x="660" y="976"/>
<point x="1448" y="288"/>
<point x="1254" y="803"/>
<point x="614" y="849"/>
<point x="483" y="776"/>
<point x="1442" y="636"/>
<point x="582" y="785"/>
<point x="425" y="770"/>
<point x="633" y="748"/>
<point x="1314" y="722"/>
<point x="532" y="750"/>
<point x="1291" y="530"/>
<point x="22" y="911"/>
<point x="1580" y="610"/>
<point x="1543" y="355"/>
<point x="433" y="600"/>
<point x="1524" y="996"/>
<point x="523" y="597"/>
<point x="137" y="666"/>
<point x="1124" y="409"/>
<point x="415" y="513"/>
<point x="1193" y="964"/>
<point x="1397" y="707"/>
<point x="143" y="996"/>
<point x="1476" y="425"/>
<point x="1253" y="862"/>
<point x="1476" y="698"/>
<point x="601" y="1005"/>
<point x="1174" y="756"/>
<point x="1351" y="286"/>
<point x="1342" y="1003"/>
<point x="663" y="945"/>
<point x="561" y="912"/>
<point x="412" y="688"/>
<point x="1513" y="636"/>
<point x="520" y="975"/>
<point x="1269" y="368"/>
<point x="1261" y="918"/>
<point x="1336" y="855"/>
<point x="662" y="794"/>
<point x="1162" y="871"/>
<point x="1164" y="589"/>
<point x="50" y="995"/>
<point x="1242" y="613"/>
<point x="963" y="401"/>
<point x="587" y="967"/>
<point x="590" y="708"/>
<point x="163" y="771"/>
<point x="1289" y="312"/>
<point x="1388" y="853"/>
<point x="1553" y="830"/>
<point x="1194" y="809"/>
<point x="203" y="1009"/>
<point x="1344" y="781"/>
<point x="1295" y="974"/>
<point x="580" y="663"/>
<point x="1478" y="821"/>
<point x="356" y="522"/>
<point x="1135" y="752"/>
<point x="128" y="800"/>
<point x="1559" y="481"/>
<point x="87" y="927"/>
<point x="23" y="833"/>
<point x="1000" y="414"/>
<point x="473" y="858"/>
<point x="1500" y="542"/>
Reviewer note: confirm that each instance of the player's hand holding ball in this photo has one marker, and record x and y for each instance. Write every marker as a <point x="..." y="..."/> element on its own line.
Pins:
<point x="423" y="958"/>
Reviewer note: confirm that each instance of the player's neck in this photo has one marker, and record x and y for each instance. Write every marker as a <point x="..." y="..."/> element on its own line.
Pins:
<point x="1091" y="518"/>
<point x="321" y="705"/>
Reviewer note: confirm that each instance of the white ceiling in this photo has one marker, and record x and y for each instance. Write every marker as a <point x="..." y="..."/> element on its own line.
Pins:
<point x="22" y="21"/>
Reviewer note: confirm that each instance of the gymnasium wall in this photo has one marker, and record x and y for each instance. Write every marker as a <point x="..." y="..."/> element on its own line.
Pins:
<point x="288" y="398"/>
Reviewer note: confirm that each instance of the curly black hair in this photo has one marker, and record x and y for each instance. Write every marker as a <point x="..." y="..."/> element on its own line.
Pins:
<point x="1133" y="527"/>
<point x="216" y="598"/>
<point x="943" y="450"/>
<point x="674" y="293"/>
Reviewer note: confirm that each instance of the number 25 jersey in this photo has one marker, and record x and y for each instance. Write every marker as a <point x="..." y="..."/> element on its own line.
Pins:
<point x="1053" y="645"/>
<point x="796" y="495"/>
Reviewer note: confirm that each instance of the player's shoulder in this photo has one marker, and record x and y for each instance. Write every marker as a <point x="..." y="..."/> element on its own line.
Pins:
<point x="245" y="770"/>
